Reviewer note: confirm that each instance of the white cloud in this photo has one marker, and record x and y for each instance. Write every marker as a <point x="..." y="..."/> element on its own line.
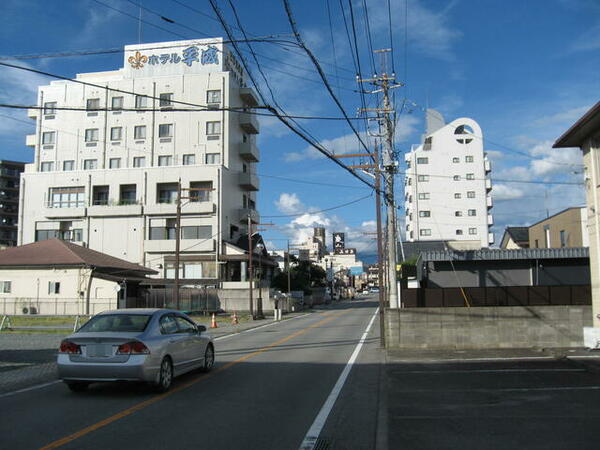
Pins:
<point x="554" y="160"/>
<point x="565" y="118"/>
<point x="289" y="203"/>
<point x="505" y="192"/>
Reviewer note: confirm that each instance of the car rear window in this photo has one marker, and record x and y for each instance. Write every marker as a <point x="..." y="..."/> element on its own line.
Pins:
<point x="116" y="323"/>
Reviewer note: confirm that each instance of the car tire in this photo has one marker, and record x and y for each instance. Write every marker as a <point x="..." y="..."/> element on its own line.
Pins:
<point x="165" y="375"/>
<point x="209" y="359"/>
<point x="77" y="386"/>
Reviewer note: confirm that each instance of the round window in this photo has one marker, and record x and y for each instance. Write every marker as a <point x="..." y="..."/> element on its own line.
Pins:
<point x="463" y="131"/>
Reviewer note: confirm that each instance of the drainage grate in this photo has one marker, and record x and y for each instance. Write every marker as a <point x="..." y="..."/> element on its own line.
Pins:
<point x="322" y="444"/>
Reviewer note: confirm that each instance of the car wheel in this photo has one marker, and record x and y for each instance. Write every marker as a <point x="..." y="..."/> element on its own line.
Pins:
<point x="77" y="386"/>
<point x="209" y="358"/>
<point x="165" y="375"/>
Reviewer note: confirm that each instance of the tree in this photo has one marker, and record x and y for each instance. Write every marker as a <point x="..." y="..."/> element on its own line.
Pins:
<point x="303" y="276"/>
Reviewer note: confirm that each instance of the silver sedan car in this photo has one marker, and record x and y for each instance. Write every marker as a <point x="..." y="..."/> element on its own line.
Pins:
<point x="151" y="345"/>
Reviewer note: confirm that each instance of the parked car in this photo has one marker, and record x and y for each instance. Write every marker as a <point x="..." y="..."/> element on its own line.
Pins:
<point x="374" y="290"/>
<point x="150" y="345"/>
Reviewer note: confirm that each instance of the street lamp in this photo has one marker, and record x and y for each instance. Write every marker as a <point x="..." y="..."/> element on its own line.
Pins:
<point x="259" y="311"/>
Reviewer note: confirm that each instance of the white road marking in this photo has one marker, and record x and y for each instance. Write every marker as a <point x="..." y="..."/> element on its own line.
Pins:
<point x="515" y="358"/>
<point x="236" y="333"/>
<point x="31" y="388"/>
<point x="523" y="389"/>
<point x="401" y="372"/>
<point x="314" y="431"/>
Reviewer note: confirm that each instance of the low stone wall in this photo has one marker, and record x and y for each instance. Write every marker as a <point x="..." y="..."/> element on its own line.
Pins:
<point x="237" y="300"/>
<point x="487" y="327"/>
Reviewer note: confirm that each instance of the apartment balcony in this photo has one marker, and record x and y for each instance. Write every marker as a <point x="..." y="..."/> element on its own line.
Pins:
<point x="33" y="113"/>
<point x="61" y="213"/>
<point x="488" y="184"/>
<point x="249" y="97"/>
<point x="31" y="140"/>
<point x="490" y="238"/>
<point x="249" y="152"/>
<point x="490" y="220"/>
<point x="488" y="201"/>
<point x="114" y="210"/>
<point x="487" y="165"/>
<point x="160" y="209"/>
<point x="249" y="181"/>
<point x="243" y="214"/>
<point x="249" y="123"/>
<point x="168" y="245"/>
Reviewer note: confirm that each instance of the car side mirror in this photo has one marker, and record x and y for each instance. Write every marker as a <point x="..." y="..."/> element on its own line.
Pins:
<point x="201" y="329"/>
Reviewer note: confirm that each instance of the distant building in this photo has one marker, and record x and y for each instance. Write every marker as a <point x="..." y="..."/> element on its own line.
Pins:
<point x="313" y="248"/>
<point x="585" y="134"/>
<point x="106" y="176"/>
<point x="567" y="228"/>
<point x="10" y="171"/>
<point x="447" y="184"/>
<point x="515" y="237"/>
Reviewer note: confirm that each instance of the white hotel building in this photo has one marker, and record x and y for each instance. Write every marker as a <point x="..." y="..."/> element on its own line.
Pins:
<point x="106" y="174"/>
<point x="447" y="184"/>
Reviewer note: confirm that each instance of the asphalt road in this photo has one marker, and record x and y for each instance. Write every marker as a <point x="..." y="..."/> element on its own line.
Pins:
<point x="265" y="392"/>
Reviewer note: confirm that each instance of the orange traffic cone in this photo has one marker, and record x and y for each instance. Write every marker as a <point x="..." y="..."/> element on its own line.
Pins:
<point x="213" y="322"/>
<point x="234" y="319"/>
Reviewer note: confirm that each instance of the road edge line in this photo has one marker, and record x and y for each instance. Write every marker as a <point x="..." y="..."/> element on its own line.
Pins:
<point x="311" y="437"/>
<point x="30" y="388"/>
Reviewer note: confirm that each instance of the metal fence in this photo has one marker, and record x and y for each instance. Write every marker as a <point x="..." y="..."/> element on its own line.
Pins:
<point x="55" y="307"/>
<point x="497" y="296"/>
<point x="203" y="300"/>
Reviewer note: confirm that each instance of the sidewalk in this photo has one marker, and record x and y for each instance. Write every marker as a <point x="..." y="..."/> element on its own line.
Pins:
<point x="29" y="359"/>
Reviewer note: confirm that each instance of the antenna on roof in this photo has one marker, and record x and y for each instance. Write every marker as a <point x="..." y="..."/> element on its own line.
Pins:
<point x="140" y="23"/>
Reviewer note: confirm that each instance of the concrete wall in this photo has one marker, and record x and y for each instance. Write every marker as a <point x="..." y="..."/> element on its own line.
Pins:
<point x="573" y="222"/>
<point x="486" y="327"/>
<point x="238" y="300"/>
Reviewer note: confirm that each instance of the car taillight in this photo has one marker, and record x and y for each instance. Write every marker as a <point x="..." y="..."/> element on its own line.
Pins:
<point x="133" y="348"/>
<point x="69" y="347"/>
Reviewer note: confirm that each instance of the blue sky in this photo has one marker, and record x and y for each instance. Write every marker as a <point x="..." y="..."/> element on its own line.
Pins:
<point x="524" y="70"/>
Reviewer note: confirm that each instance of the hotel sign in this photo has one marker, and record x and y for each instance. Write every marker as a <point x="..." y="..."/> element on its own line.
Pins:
<point x="187" y="56"/>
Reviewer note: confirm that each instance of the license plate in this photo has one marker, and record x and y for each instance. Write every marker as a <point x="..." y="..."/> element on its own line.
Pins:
<point x="99" y="350"/>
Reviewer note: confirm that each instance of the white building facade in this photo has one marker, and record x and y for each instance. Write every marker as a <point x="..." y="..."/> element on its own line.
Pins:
<point x="107" y="169"/>
<point x="447" y="184"/>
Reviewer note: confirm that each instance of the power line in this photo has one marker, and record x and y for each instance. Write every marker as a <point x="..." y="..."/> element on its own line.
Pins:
<point x="322" y="210"/>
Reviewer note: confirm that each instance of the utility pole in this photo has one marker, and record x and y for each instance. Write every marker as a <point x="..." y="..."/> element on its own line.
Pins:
<point x="250" y="270"/>
<point x="289" y="268"/>
<point x="384" y="84"/>
<point x="379" y="249"/>
<point x="177" y="245"/>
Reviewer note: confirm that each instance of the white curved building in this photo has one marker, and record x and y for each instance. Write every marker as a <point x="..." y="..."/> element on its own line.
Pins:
<point x="447" y="184"/>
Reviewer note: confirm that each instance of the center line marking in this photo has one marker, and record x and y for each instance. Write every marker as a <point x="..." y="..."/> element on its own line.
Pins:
<point x="146" y="403"/>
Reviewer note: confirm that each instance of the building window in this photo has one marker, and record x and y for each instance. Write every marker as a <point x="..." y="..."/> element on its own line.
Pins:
<point x="166" y="232"/>
<point x="139" y="132"/>
<point x="141" y="101"/>
<point x="424" y="196"/>
<point x="213" y="130"/>
<point x="424" y="213"/>
<point x="428" y="142"/>
<point x="165" y="130"/>
<point x="165" y="160"/>
<point x="423" y="178"/>
<point x="470" y="194"/>
<point x="166" y="192"/>
<point x="463" y="131"/>
<point x="50" y="108"/>
<point x="213" y="98"/>
<point x="200" y="191"/>
<point x="469" y="159"/>
<point x="90" y="164"/>
<point x="189" y="160"/>
<point x="459" y="232"/>
<point x="75" y="235"/>
<point x="457" y="213"/>
<point x="408" y="163"/>
<point x="455" y="160"/>
<point x="116" y="133"/>
<point x="139" y="161"/>
<point x="472" y="212"/>
<point x="456" y="177"/>
<point x="100" y="195"/>
<point x="196" y="232"/>
<point x="67" y="197"/>
<point x="192" y="269"/>
<point x="91" y="135"/>
<point x="5" y="287"/>
<point x="68" y="165"/>
<point x="425" y="232"/>
<point x="48" y="138"/>
<point x="47" y="166"/>
<point x="165" y="100"/>
<point x="92" y="104"/>
<point x="422" y="160"/>
<point x="114" y="163"/>
<point x="117" y="103"/>
<point x="563" y="238"/>
<point x="213" y="158"/>
<point x="457" y="195"/>
<point x="409" y="181"/>
<point x="53" y="287"/>
<point x="127" y="194"/>
<point x="472" y="231"/>
<point x="470" y="176"/>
